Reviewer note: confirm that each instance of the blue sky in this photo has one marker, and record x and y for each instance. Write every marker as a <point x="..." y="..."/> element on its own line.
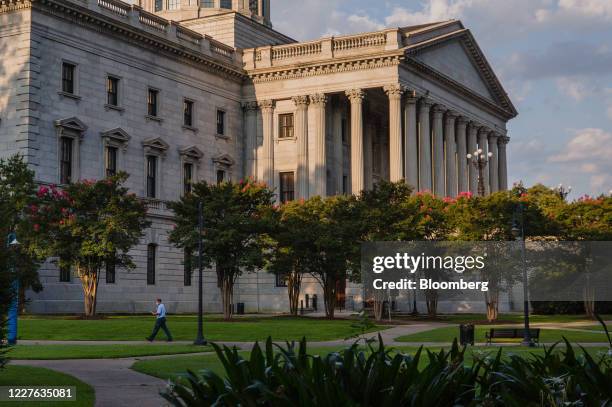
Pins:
<point x="554" y="57"/>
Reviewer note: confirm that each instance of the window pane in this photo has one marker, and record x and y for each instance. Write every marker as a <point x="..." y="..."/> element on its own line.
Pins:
<point x="68" y="77"/>
<point x="111" y="161"/>
<point x="280" y="280"/>
<point x="110" y="273"/>
<point x="151" y="264"/>
<point x="151" y="176"/>
<point x="187" y="178"/>
<point x="254" y="6"/>
<point x="220" y="176"/>
<point x="65" y="160"/>
<point x="287" y="192"/>
<point x="174" y="4"/>
<point x="226" y="3"/>
<point x="188" y="113"/>
<point x="158" y="5"/>
<point x="220" y="122"/>
<point x="285" y="125"/>
<point x="152" y="102"/>
<point x="112" y="91"/>
<point x="207" y="3"/>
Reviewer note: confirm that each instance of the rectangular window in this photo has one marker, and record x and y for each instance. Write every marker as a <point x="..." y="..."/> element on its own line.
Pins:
<point x="151" y="249"/>
<point x="152" y="102"/>
<point x="151" y="176"/>
<point x="254" y="6"/>
<point x="187" y="272"/>
<point x="187" y="178"/>
<point x="207" y="3"/>
<point x="68" y="73"/>
<point x="159" y="5"/>
<point x="220" y="122"/>
<point x="174" y="4"/>
<point x="111" y="161"/>
<point x="65" y="274"/>
<point x="65" y="160"/>
<point x="226" y="4"/>
<point x="112" y="91"/>
<point x="285" y="125"/>
<point x="110" y="273"/>
<point x="280" y="280"/>
<point x="188" y="113"/>
<point x="287" y="191"/>
<point x="220" y="176"/>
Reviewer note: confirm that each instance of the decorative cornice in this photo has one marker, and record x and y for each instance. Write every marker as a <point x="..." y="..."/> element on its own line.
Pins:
<point x="93" y="20"/>
<point x="71" y="123"/>
<point x="191" y="152"/>
<point x="318" y="99"/>
<point x="14" y="5"/>
<point x="325" y="68"/>
<point x="223" y="160"/>
<point x="300" y="101"/>
<point x="156" y="144"/>
<point x="118" y="135"/>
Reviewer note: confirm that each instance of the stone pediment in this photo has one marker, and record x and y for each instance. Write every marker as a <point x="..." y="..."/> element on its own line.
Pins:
<point x="117" y="135"/>
<point x="224" y="160"/>
<point x="156" y="144"/>
<point x="191" y="152"/>
<point x="456" y="56"/>
<point x="71" y="123"/>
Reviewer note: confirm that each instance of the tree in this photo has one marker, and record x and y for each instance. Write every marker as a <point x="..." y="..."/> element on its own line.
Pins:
<point x="237" y="220"/>
<point x="90" y="224"/>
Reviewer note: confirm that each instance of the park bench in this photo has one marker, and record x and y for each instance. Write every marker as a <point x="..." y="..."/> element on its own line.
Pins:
<point x="511" y="333"/>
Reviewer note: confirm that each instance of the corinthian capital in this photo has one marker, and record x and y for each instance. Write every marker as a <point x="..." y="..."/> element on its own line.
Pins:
<point x="318" y="99"/>
<point x="394" y="91"/>
<point x="355" y="95"/>
<point x="249" y="106"/>
<point x="267" y="106"/>
<point x="301" y="100"/>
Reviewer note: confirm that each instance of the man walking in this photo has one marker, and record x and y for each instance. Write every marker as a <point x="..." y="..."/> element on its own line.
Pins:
<point x="160" y="322"/>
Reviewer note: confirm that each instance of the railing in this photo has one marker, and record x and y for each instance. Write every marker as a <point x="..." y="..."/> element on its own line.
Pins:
<point x="361" y="41"/>
<point x="221" y="49"/>
<point x="153" y="21"/>
<point x="293" y="51"/>
<point x="188" y="35"/>
<point x="117" y="7"/>
<point x="155" y="204"/>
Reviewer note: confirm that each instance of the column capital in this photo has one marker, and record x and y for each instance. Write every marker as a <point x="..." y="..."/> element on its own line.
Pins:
<point x="410" y="95"/>
<point x="462" y="120"/>
<point x="267" y="106"/>
<point x="250" y="106"/>
<point x="452" y="115"/>
<point x="300" y="101"/>
<point x="355" y="95"/>
<point x="503" y="140"/>
<point x="493" y="135"/>
<point x="318" y="99"/>
<point x="426" y="102"/>
<point x="394" y="90"/>
<point x="484" y="130"/>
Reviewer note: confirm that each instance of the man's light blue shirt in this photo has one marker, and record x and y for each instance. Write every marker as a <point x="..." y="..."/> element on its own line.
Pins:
<point x="161" y="311"/>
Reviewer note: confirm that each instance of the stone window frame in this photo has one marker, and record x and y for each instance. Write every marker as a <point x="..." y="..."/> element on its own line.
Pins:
<point x="190" y="155"/>
<point x="155" y="147"/>
<point x="280" y="184"/>
<point x="120" y="92"/>
<point x="194" y="115"/>
<point x="74" y="129"/>
<point x="224" y="162"/>
<point x="76" y="79"/>
<point x="225" y="134"/>
<point x="159" y="105"/>
<point x="152" y="266"/>
<point x="119" y="139"/>
<point x="277" y="115"/>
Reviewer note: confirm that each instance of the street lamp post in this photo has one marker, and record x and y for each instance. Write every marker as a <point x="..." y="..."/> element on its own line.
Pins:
<point x="518" y="231"/>
<point x="200" y="338"/>
<point x="480" y="161"/>
<point x="13" y="312"/>
<point x="563" y="191"/>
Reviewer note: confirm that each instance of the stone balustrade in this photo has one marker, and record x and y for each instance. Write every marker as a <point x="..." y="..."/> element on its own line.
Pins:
<point x="325" y="48"/>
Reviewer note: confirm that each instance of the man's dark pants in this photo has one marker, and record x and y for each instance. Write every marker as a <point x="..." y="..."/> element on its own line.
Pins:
<point x="160" y="323"/>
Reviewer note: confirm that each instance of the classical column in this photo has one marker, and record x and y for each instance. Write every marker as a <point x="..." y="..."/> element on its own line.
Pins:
<point x="424" y="146"/>
<point x="438" y="149"/>
<point x="411" y="145"/>
<point x="493" y="177"/>
<point x="250" y="148"/>
<point x="357" y="181"/>
<point x="473" y="146"/>
<point x="483" y="145"/>
<point x="301" y="133"/>
<point x="317" y="104"/>
<point x="503" y="163"/>
<point x="462" y="163"/>
<point x="394" y="92"/>
<point x="451" y="154"/>
<point x="267" y="114"/>
<point x="368" y="154"/>
<point x="337" y="143"/>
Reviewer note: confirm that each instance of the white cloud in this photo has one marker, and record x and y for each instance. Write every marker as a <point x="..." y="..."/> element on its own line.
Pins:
<point x="587" y="144"/>
<point x="575" y="87"/>
<point x="609" y="111"/>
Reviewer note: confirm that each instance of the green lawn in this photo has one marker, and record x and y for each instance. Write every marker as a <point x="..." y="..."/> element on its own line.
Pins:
<point x="173" y="367"/>
<point x="447" y="334"/>
<point x="38" y="376"/>
<point x="506" y="318"/>
<point x="48" y="352"/>
<point x="129" y="328"/>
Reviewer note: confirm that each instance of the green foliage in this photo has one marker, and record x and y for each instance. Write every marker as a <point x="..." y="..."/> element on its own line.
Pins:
<point x="376" y="376"/>
<point x="237" y="218"/>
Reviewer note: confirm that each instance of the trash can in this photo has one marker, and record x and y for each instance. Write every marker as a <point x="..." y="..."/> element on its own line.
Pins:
<point x="466" y="334"/>
<point x="240" y="308"/>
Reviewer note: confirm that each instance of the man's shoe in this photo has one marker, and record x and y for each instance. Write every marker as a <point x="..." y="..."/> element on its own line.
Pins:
<point x="149" y="339"/>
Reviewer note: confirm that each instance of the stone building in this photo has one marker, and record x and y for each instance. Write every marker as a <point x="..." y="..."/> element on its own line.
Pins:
<point x="177" y="91"/>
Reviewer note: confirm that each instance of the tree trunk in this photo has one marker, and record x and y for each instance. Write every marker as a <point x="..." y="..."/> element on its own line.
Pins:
<point x="379" y="305"/>
<point x="431" y="299"/>
<point x="294" y="286"/>
<point x="89" y="281"/>
<point x="589" y="301"/>
<point x="227" y="296"/>
<point x="329" y="297"/>
<point x="492" y="301"/>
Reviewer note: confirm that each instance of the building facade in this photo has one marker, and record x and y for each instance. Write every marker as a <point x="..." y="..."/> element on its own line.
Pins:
<point x="178" y="91"/>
